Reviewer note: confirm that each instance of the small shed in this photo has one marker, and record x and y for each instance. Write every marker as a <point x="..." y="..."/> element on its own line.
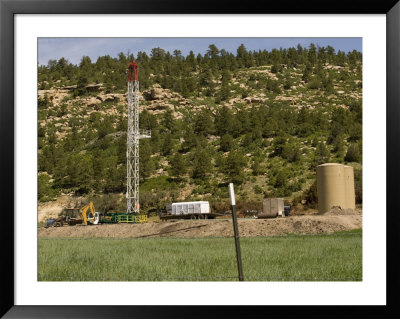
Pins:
<point x="272" y="207"/>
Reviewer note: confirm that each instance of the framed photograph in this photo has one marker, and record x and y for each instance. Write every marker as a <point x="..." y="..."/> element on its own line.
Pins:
<point x="267" y="157"/>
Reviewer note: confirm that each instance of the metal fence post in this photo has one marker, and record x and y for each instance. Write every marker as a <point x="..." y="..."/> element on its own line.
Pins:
<point x="236" y="232"/>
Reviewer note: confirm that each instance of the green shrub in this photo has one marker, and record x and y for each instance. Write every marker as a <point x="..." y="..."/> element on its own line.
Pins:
<point x="258" y="189"/>
<point x="44" y="103"/>
<point x="46" y="192"/>
<point x="226" y="143"/>
<point x="353" y="153"/>
<point x="315" y="84"/>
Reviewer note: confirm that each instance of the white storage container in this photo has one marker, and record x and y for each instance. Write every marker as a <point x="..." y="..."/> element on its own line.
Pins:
<point x="186" y="208"/>
<point x="273" y="207"/>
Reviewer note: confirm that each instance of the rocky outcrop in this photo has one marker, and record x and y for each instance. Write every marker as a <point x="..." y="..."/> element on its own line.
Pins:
<point x="93" y="87"/>
<point x="253" y="99"/>
<point x="159" y="106"/>
<point x="110" y="97"/>
<point x="158" y="93"/>
<point x="55" y="95"/>
<point x="92" y="101"/>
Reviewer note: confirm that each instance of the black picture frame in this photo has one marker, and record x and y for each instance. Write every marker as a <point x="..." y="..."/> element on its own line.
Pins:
<point x="8" y="10"/>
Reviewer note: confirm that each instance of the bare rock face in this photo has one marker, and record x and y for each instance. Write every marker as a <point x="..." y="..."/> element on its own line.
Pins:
<point x="101" y="98"/>
<point x="92" y="101"/>
<point x="93" y="87"/>
<point x="247" y="100"/>
<point x="256" y="100"/>
<point x="159" y="106"/>
<point x="108" y="97"/>
<point x="55" y="95"/>
<point x="70" y="87"/>
<point x="235" y="100"/>
<point x="156" y="93"/>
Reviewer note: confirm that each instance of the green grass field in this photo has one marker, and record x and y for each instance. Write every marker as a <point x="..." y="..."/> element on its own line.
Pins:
<point x="336" y="257"/>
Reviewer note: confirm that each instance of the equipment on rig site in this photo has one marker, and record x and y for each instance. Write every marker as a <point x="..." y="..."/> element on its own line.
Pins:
<point x="55" y="222"/>
<point x="89" y="215"/>
<point x="68" y="216"/>
<point x="114" y="218"/>
<point x="335" y="187"/>
<point x="93" y="218"/>
<point x="286" y="210"/>
<point x="133" y="137"/>
<point x="188" y="210"/>
<point x="72" y="216"/>
<point x="132" y="215"/>
<point x="273" y="207"/>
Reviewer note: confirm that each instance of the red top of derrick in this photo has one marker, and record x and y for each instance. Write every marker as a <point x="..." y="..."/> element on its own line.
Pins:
<point x="133" y="71"/>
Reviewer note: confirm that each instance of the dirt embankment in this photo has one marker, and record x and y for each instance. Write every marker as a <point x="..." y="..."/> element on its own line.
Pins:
<point x="54" y="208"/>
<point x="306" y="224"/>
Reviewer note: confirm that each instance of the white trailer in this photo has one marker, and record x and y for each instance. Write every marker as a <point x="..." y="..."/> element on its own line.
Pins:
<point x="192" y="210"/>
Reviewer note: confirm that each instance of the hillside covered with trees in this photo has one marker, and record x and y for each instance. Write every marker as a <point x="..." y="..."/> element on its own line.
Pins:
<point x="262" y="120"/>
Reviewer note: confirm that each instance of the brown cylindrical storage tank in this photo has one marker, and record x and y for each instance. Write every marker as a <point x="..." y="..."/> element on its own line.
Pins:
<point x="349" y="187"/>
<point x="330" y="186"/>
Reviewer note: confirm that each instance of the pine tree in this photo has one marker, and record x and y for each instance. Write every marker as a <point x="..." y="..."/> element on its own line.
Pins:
<point x="201" y="164"/>
<point x="212" y="51"/>
<point x="167" y="145"/>
<point x="321" y="154"/>
<point x="223" y="121"/>
<point x="312" y="54"/>
<point x="234" y="167"/>
<point x="178" y="166"/>
<point x="146" y="166"/>
<point x="307" y="73"/>
<point x="226" y="143"/>
<point x="280" y="179"/>
<point x="190" y="140"/>
<point x="204" y="124"/>
<point x="191" y="61"/>
<point x="168" y="121"/>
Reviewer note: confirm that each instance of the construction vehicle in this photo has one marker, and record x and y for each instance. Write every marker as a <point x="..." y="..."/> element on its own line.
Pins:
<point x="69" y="216"/>
<point x="89" y="215"/>
<point x="55" y="222"/>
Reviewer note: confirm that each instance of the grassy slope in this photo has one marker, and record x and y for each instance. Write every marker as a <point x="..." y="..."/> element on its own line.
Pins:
<point x="336" y="257"/>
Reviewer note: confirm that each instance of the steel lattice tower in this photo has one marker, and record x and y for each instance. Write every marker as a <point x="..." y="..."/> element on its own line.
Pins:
<point x="133" y="137"/>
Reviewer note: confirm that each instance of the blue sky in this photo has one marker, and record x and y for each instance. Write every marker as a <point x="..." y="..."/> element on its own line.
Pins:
<point x="73" y="49"/>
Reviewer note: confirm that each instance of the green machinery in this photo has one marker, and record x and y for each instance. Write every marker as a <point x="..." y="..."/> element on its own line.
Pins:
<point x="113" y="218"/>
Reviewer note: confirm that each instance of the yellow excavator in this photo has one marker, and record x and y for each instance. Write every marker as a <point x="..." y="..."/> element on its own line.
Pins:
<point x="89" y="215"/>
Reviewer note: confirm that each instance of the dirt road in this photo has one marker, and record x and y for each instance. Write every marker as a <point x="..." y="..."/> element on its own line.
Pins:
<point x="306" y="224"/>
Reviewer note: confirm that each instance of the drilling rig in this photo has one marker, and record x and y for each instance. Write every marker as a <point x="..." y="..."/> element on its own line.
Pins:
<point x="133" y="137"/>
<point x="132" y="214"/>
